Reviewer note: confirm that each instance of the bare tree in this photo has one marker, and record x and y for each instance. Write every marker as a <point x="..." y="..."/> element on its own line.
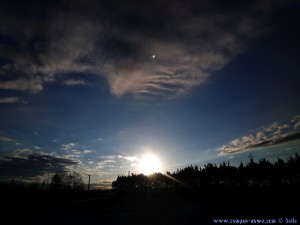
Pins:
<point x="71" y="181"/>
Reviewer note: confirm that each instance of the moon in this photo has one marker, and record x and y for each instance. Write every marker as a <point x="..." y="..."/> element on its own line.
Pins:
<point x="149" y="164"/>
<point x="153" y="56"/>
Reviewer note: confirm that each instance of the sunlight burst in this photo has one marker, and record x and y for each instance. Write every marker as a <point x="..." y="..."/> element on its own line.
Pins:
<point x="149" y="164"/>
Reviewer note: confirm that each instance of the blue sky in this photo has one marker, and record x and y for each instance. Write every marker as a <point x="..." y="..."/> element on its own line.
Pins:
<point x="80" y="88"/>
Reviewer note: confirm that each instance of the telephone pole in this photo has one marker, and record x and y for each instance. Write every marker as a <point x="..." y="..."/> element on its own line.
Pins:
<point x="89" y="182"/>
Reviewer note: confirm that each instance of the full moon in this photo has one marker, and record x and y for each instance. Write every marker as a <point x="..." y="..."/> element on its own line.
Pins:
<point x="153" y="56"/>
<point x="149" y="164"/>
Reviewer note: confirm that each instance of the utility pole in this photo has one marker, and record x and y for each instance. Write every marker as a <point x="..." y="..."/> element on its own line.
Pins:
<point x="89" y="182"/>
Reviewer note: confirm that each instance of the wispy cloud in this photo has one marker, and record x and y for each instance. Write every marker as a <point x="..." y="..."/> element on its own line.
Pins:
<point x="68" y="146"/>
<point x="87" y="151"/>
<point x="102" y="39"/>
<point x="109" y="165"/>
<point x="76" y="152"/>
<point x="6" y="139"/>
<point x="32" y="85"/>
<point x="118" y="156"/>
<point x="75" y="82"/>
<point x="9" y="100"/>
<point x="131" y="159"/>
<point x="105" y="164"/>
<point x="273" y="134"/>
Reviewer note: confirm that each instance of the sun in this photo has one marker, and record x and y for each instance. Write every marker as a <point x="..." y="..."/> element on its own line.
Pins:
<point x="149" y="164"/>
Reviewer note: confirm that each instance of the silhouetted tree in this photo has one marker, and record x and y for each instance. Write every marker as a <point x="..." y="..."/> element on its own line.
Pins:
<point x="262" y="173"/>
<point x="71" y="181"/>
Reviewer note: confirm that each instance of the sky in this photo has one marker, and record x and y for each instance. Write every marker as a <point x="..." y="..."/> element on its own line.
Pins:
<point x="92" y="86"/>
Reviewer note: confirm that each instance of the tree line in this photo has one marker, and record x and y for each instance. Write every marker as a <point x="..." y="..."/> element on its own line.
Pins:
<point x="58" y="182"/>
<point x="260" y="174"/>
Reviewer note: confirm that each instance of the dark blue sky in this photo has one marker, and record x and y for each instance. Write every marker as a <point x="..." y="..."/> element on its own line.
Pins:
<point x="91" y="86"/>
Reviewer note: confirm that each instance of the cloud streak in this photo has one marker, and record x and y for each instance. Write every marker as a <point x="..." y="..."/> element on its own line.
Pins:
<point x="9" y="100"/>
<point x="271" y="135"/>
<point x="31" y="85"/>
<point x="75" y="82"/>
<point x="190" y="41"/>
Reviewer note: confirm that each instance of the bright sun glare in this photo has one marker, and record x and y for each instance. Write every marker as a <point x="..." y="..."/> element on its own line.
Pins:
<point x="149" y="164"/>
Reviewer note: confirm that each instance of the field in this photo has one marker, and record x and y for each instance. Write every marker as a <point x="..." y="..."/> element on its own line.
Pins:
<point x="163" y="207"/>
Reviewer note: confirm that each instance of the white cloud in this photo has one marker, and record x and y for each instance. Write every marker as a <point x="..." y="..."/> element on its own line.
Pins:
<point x="109" y="156"/>
<point x="235" y="142"/>
<point x="108" y="161"/>
<point x="261" y="136"/>
<point x="105" y="164"/>
<point x="270" y="134"/>
<point x="9" y="99"/>
<point x="68" y="146"/>
<point x="86" y="151"/>
<point x="112" y="164"/>
<point x="131" y="158"/>
<point x="71" y="156"/>
<point x="99" y="166"/>
<point x="249" y="139"/>
<point x="76" y="152"/>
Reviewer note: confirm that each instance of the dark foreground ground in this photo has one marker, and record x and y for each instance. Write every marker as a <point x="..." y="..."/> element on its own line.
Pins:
<point x="164" y="207"/>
